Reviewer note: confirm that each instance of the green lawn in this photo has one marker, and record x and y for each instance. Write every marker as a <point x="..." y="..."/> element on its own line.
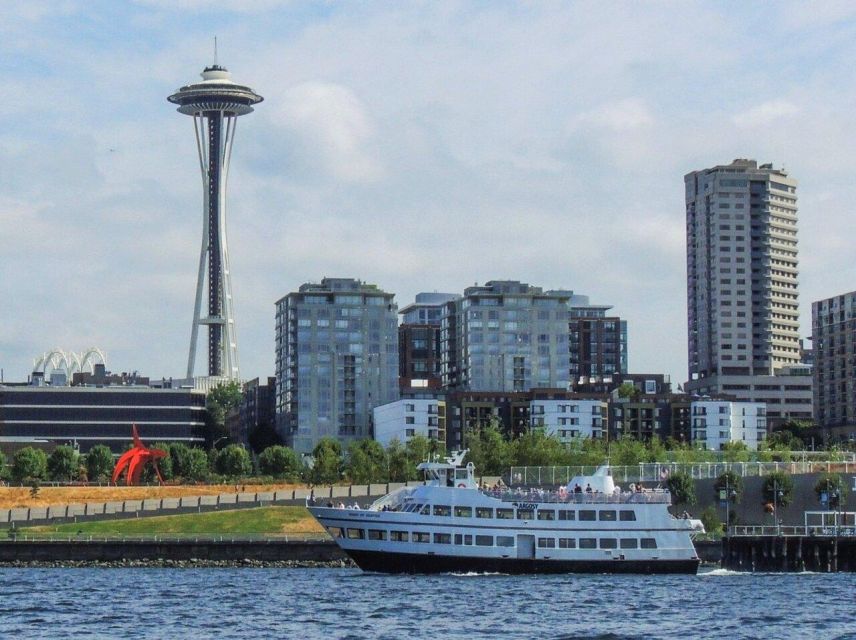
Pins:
<point x="264" y="521"/>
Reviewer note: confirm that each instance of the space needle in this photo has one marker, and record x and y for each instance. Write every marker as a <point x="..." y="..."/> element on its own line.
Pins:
<point x="215" y="104"/>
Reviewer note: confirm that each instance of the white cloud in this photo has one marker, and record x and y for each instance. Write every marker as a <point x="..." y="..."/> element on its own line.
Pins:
<point x="619" y="116"/>
<point x="332" y="124"/>
<point x="765" y="113"/>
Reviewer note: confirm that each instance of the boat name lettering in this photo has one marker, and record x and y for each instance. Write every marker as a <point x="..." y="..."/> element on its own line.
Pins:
<point x="363" y="514"/>
<point x="525" y="505"/>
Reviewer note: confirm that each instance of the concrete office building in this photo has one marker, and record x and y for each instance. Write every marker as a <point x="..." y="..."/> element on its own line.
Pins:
<point x="742" y="298"/>
<point x="257" y="408"/>
<point x="716" y="423"/>
<point x="336" y="359"/>
<point x="45" y="416"/>
<point x="403" y="419"/>
<point x="834" y="339"/>
<point x="509" y="336"/>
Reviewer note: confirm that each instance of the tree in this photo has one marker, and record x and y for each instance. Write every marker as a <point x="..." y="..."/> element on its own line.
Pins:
<point x="401" y="467"/>
<point x="233" y="461"/>
<point x="366" y="462"/>
<point x="262" y="437"/>
<point x="627" y="451"/>
<point x="179" y="455"/>
<point x="327" y="456"/>
<point x="831" y="484"/>
<point x="778" y="489"/>
<point x="682" y="488"/>
<point x="4" y="467"/>
<point x="735" y="451"/>
<point x="628" y="390"/>
<point x="710" y="519"/>
<point x="196" y="465"/>
<point x="536" y="448"/>
<point x="99" y="463"/>
<point x="731" y="482"/>
<point x="219" y="401"/>
<point x="489" y="451"/>
<point x="281" y="462"/>
<point x="29" y="464"/>
<point x="62" y="464"/>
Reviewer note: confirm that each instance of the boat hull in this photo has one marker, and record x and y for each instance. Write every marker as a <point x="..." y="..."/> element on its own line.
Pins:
<point x="392" y="562"/>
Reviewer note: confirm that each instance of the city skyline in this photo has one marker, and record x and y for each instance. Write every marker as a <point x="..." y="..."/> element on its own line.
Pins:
<point x="419" y="148"/>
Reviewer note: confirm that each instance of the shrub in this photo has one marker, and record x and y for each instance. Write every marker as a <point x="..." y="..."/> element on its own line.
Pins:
<point x="196" y="465"/>
<point x="828" y="483"/>
<point x="710" y="519"/>
<point x="734" y="485"/>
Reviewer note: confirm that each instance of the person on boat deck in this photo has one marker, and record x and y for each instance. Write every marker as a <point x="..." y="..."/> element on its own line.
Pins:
<point x="578" y="488"/>
<point x="588" y="488"/>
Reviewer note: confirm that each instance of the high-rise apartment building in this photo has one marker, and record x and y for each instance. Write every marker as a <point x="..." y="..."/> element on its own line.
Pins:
<point x="509" y="336"/>
<point x="742" y="300"/>
<point x="419" y="340"/>
<point x="336" y="359"/>
<point x="834" y="339"/>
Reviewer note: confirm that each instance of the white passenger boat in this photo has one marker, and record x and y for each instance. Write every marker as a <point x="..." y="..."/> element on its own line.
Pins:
<point x="449" y="524"/>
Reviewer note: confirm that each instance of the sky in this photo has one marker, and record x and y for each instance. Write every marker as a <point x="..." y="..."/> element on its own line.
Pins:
<point x="419" y="146"/>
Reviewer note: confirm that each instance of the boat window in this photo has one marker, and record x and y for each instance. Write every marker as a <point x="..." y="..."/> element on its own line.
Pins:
<point x="588" y="543"/>
<point x="442" y="510"/>
<point x="505" y="514"/>
<point x="463" y="512"/>
<point x="567" y="543"/>
<point x="525" y="514"/>
<point x="627" y="516"/>
<point x="587" y="514"/>
<point x="484" y="541"/>
<point x="356" y="534"/>
<point x="504" y="541"/>
<point x="421" y="536"/>
<point x="335" y="532"/>
<point x="608" y="543"/>
<point x="606" y="515"/>
<point x="484" y="512"/>
<point x="546" y="514"/>
<point x="425" y="510"/>
<point x="442" y="538"/>
<point x="399" y="536"/>
<point x="565" y="514"/>
<point x="648" y="543"/>
<point x="629" y="543"/>
<point x="468" y="539"/>
<point x="547" y="543"/>
<point x="459" y="539"/>
<point x="377" y="534"/>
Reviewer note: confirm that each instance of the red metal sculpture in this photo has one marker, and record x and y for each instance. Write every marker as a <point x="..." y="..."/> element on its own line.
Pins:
<point x="133" y="461"/>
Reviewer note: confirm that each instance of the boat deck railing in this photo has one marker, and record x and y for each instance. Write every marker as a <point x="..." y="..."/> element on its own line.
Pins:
<point x="648" y="496"/>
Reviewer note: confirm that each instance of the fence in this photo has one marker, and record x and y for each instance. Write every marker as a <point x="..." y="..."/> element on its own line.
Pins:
<point x="659" y="471"/>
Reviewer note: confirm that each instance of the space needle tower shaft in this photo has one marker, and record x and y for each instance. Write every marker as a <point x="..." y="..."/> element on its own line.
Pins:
<point x="215" y="104"/>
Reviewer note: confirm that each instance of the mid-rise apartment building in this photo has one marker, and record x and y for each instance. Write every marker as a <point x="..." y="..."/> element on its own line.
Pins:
<point x="716" y="423"/>
<point x="419" y="340"/>
<point x="403" y="419"/>
<point x="569" y="419"/>
<point x="336" y="359"/>
<point x="742" y="293"/>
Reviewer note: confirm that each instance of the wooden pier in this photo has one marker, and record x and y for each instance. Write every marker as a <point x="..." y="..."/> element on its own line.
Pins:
<point x="784" y="549"/>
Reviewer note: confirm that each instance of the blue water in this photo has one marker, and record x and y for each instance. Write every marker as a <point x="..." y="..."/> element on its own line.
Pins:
<point x="346" y="603"/>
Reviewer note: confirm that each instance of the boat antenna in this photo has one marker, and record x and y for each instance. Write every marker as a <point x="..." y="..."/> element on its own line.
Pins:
<point x="215" y="51"/>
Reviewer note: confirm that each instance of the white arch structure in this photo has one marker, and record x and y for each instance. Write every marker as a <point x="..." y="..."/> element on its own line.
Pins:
<point x="69" y="362"/>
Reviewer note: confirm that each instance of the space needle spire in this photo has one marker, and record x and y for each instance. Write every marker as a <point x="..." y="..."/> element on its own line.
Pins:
<point x="215" y="104"/>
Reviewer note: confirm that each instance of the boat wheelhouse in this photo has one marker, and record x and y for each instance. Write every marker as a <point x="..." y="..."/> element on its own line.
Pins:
<point x="450" y="524"/>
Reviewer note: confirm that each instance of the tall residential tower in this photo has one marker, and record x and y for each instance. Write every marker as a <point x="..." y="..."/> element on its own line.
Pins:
<point x="215" y="104"/>
<point x="742" y="306"/>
